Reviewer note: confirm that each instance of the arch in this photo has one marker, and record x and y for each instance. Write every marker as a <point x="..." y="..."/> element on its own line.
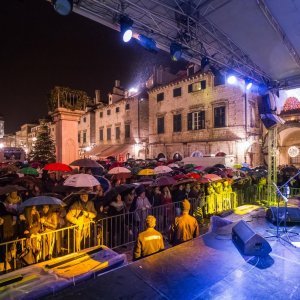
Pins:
<point x="161" y="155"/>
<point x="177" y="156"/>
<point x="197" y="153"/>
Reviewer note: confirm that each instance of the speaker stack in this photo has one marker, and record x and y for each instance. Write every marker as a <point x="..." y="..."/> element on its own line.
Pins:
<point x="292" y="214"/>
<point x="248" y="242"/>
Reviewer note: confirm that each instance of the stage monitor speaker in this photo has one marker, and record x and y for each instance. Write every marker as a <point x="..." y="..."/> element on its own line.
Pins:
<point x="248" y="242"/>
<point x="292" y="214"/>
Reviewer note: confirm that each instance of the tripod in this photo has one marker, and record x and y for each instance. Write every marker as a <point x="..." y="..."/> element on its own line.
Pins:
<point x="284" y="230"/>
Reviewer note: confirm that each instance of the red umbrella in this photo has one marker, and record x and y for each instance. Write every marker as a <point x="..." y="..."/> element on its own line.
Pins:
<point x="212" y="177"/>
<point x="193" y="175"/>
<point x="58" y="167"/>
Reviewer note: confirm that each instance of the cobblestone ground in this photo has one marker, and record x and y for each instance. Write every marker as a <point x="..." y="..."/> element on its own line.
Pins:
<point x="128" y="250"/>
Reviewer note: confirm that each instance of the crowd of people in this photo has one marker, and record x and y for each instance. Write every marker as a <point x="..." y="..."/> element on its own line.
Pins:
<point x="133" y="195"/>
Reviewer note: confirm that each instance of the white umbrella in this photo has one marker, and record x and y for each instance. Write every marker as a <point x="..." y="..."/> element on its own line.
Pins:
<point x="172" y="165"/>
<point x="81" y="180"/>
<point x="118" y="170"/>
<point x="162" y="170"/>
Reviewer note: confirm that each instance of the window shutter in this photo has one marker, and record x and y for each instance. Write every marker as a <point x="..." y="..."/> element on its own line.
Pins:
<point x="190" y="88"/>
<point x="203" y="84"/>
<point x="190" y="121"/>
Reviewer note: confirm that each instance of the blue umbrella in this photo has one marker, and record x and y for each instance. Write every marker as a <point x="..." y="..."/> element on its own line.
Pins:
<point x="41" y="200"/>
<point x="104" y="182"/>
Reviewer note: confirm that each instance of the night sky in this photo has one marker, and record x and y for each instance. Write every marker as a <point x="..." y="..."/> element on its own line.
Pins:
<point x="41" y="49"/>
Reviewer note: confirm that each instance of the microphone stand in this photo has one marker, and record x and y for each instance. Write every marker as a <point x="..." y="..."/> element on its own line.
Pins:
<point x="284" y="230"/>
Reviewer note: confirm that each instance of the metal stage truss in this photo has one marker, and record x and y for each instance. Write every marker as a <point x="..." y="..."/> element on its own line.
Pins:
<point x="181" y="21"/>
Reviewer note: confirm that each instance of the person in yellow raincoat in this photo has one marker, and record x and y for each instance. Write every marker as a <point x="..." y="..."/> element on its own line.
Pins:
<point x="81" y="213"/>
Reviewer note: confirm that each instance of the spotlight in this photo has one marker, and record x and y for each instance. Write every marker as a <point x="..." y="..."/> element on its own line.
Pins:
<point x="175" y="51"/>
<point x="126" y="28"/>
<point x="63" y="7"/>
<point x="231" y="79"/>
<point x="148" y="43"/>
<point x="248" y="84"/>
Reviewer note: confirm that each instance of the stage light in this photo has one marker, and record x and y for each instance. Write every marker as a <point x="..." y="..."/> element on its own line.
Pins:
<point x="248" y="84"/>
<point x="126" y="28"/>
<point x="175" y="51"/>
<point x="231" y="79"/>
<point x="148" y="43"/>
<point x="63" y="7"/>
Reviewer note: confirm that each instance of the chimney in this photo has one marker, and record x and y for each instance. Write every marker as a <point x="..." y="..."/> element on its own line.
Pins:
<point x="117" y="83"/>
<point x="98" y="96"/>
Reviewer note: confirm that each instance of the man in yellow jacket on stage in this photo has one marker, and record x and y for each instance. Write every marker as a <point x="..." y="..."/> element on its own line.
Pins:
<point x="185" y="227"/>
<point x="149" y="241"/>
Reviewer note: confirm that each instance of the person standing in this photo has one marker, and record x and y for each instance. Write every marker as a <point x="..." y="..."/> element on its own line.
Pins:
<point x="185" y="227"/>
<point x="81" y="213"/>
<point x="149" y="241"/>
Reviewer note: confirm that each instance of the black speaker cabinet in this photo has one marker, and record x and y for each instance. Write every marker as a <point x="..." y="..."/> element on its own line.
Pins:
<point x="248" y="242"/>
<point x="292" y="214"/>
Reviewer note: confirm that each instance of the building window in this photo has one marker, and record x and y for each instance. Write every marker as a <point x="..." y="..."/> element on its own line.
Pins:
<point x="219" y="116"/>
<point x="191" y="71"/>
<point x="127" y="131"/>
<point x="197" y="86"/>
<point x="79" y="135"/>
<point x="127" y="106"/>
<point x="101" y="134"/>
<point x="160" y="125"/>
<point x="101" y="114"/>
<point x="108" y="134"/>
<point x="160" y="97"/>
<point x="117" y="109"/>
<point x="108" y="112"/>
<point x="84" y="119"/>
<point x="177" y="92"/>
<point x="177" y="123"/>
<point x="84" y="137"/>
<point x="196" y="120"/>
<point x="118" y="133"/>
<point x="252" y="116"/>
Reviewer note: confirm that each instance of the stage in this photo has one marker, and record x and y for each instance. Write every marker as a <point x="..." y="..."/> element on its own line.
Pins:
<point x="209" y="267"/>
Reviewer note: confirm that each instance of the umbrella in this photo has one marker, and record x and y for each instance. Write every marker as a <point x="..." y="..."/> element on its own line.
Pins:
<point x="28" y="171"/>
<point x="162" y="170"/>
<point x="10" y="168"/>
<point x="221" y="166"/>
<point x="11" y="188"/>
<point x="173" y="165"/>
<point x="199" y="168"/>
<point x="193" y="175"/>
<point x="184" y="181"/>
<point x="162" y="159"/>
<point x="118" y="170"/>
<point x="146" y="172"/>
<point x="85" y="163"/>
<point x="125" y="187"/>
<point x="163" y="181"/>
<point x="104" y="182"/>
<point x="81" y="180"/>
<point x="212" y="177"/>
<point x="41" y="200"/>
<point x="57" y="167"/>
<point x="237" y="166"/>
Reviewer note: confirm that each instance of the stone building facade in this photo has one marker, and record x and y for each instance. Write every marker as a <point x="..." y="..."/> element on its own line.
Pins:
<point x="194" y="115"/>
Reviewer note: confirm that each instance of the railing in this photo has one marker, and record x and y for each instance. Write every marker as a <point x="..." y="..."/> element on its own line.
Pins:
<point x="116" y="231"/>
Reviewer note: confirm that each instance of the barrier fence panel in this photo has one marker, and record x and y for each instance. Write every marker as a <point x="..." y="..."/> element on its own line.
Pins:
<point x="115" y="231"/>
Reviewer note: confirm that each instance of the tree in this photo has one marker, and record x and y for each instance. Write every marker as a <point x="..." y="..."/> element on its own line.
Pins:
<point x="44" y="149"/>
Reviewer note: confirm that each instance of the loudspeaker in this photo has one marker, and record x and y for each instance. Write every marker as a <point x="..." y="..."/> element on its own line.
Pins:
<point x="267" y="112"/>
<point x="292" y="214"/>
<point x="248" y="242"/>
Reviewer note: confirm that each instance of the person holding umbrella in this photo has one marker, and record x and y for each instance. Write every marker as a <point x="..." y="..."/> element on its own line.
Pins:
<point x="81" y="213"/>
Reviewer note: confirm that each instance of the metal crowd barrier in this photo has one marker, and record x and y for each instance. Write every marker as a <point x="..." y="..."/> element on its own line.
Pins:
<point x="114" y="232"/>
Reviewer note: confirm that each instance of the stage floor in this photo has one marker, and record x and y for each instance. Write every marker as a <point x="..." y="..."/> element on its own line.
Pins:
<point x="209" y="267"/>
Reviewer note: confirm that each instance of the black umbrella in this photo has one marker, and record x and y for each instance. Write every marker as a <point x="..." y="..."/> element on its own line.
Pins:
<point x="11" y="188"/>
<point x="86" y="163"/>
